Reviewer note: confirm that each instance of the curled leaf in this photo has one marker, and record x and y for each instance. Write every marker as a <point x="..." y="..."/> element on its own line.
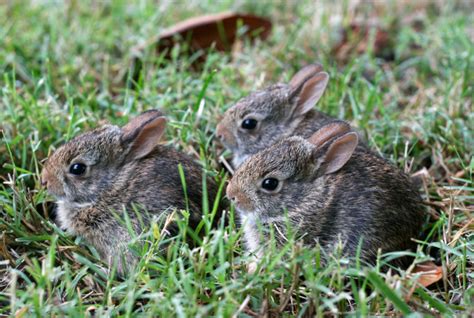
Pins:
<point x="216" y="29"/>
<point x="428" y="273"/>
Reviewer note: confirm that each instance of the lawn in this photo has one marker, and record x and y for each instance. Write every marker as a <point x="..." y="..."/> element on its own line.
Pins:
<point x="68" y="67"/>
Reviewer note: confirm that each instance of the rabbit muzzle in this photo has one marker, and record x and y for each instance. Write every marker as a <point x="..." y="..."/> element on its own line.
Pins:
<point x="50" y="182"/>
<point x="44" y="179"/>
<point x="240" y="200"/>
<point x="225" y="135"/>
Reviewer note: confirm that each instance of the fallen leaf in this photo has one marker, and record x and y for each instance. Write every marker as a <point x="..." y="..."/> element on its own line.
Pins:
<point x="428" y="273"/>
<point x="202" y="32"/>
<point x="216" y="29"/>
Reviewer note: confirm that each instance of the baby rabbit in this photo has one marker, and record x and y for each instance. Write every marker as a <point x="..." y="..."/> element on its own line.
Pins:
<point x="330" y="188"/>
<point x="111" y="169"/>
<point x="278" y="111"/>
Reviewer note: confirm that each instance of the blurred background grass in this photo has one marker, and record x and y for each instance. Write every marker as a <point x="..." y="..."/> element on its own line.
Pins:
<point x="66" y="67"/>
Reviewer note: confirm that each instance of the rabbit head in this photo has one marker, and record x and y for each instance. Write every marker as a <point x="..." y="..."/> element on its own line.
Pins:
<point x="265" y="116"/>
<point x="282" y="176"/>
<point x="82" y="169"/>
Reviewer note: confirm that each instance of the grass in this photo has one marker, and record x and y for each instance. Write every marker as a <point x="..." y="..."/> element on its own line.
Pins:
<point x="65" y="68"/>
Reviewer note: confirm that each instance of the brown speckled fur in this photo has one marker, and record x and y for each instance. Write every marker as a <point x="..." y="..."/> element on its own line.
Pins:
<point x="116" y="182"/>
<point x="367" y="198"/>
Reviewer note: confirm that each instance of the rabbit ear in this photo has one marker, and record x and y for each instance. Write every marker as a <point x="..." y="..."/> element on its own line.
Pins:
<point x="304" y="74"/>
<point x="135" y="123"/>
<point x="328" y="132"/>
<point x="338" y="153"/>
<point x="144" y="133"/>
<point x="310" y="93"/>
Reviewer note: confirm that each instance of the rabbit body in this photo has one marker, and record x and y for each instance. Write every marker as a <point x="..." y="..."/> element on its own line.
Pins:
<point x="330" y="192"/>
<point x="125" y="170"/>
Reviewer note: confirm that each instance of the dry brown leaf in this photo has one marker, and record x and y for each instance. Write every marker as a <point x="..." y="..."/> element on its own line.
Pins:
<point x="202" y="32"/>
<point x="428" y="273"/>
<point x="218" y="29"/>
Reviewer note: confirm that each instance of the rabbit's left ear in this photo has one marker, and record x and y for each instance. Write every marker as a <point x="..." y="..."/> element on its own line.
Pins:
<point x="143" y="133"/>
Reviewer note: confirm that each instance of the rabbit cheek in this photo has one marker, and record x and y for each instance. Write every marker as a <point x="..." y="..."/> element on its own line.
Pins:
<point x="82" y="190"/>
<point x="56" y="189"/>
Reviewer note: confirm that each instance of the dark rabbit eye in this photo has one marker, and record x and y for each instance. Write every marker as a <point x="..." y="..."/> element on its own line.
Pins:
<point x="249" y="123"/>
<point x="77" y="169"/>
<point x="270" y="184"/>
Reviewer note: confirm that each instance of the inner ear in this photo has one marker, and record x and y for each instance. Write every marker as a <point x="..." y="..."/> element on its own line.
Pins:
<point x="339" y="152"/>
<point x="329" y="131"/>
<point x="143" y="139"/>
<point x="133" y="127"/>
<point x="304" y="74"/>
<point x="310" y="93"/>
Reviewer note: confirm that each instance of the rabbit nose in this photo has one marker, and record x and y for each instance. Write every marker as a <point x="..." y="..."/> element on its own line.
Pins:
<point x="44" y="178"/>
<point x="230" y="194"/>
<point x="220" y="132"/>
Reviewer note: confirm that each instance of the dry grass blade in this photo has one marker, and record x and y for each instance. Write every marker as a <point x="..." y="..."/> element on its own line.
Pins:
<point x="242" y="307"/>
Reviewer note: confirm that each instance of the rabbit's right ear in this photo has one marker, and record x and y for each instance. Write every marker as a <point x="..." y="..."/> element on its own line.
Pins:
<point x="143" y="133"/>
<point x="329" y="131"/>
<point x="304" y="74"/>
<point x="135" y="123"/>
<point x="333" y="152"/>
<point x="308" y="93"/>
